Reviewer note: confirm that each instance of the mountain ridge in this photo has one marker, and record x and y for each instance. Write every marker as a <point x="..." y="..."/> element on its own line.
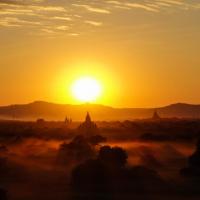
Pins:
<point x="54" y="111"/>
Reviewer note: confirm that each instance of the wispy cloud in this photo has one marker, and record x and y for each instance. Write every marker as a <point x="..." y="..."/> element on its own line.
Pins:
<point x="62" y="18"/>
<point x="93" y="23"/>
<point x="93" y="9"/>
<point x="150" y="7"/>
<point x="16" y="22"/>
<point x="65" y="16"/>
<point x="153" y="5"/>
<point x="175" y="2"/>
<point x="34" y="13"/>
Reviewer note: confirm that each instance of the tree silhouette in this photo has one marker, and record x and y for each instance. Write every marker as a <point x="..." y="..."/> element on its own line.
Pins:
<point x="193" y="169"/>
<point x="77" y="151"/>
<point x="96" y="140"/>
<point x="113" y="156"/>
<point x="107" y="177"/>
<point x="3" y="194"/>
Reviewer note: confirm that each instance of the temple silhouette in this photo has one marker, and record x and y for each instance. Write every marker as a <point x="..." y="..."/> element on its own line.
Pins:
<point x="88" y="128"/>
<point x="156" y="116"/>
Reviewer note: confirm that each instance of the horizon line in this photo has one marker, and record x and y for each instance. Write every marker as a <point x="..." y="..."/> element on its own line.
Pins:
<point x="98" y="104"/>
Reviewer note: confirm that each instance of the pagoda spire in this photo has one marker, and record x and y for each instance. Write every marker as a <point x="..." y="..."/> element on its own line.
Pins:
<point x="88" y="118"/>
<point x="88" y="128"/>
<point x="156" y="115"/>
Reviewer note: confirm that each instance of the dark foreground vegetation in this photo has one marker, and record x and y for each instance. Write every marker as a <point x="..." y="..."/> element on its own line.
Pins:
<point x="107" y="160"/>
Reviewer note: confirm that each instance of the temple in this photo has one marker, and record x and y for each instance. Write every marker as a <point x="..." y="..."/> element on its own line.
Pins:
<point x="156" y="116"/>
<point x="88" y="128"/>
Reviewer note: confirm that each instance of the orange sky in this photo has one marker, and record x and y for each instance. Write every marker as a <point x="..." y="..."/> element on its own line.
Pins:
<point x="145" y="53"/>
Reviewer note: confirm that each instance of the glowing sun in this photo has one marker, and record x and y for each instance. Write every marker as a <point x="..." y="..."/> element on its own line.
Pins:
<point x="86" y="89"/>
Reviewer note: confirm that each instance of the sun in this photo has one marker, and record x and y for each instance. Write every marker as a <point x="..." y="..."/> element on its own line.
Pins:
<point x="86" y="89"/>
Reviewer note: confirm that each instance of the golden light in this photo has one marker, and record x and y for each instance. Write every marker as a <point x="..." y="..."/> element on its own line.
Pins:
<point x="86" y="89"/>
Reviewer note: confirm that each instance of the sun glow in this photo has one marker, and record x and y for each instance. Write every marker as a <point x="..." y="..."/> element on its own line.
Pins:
<point x="86" y="89"/>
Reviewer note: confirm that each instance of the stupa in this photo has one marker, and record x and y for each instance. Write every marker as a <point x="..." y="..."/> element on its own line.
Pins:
<point x="156" y="116"/>
<point x="88" y="128"/>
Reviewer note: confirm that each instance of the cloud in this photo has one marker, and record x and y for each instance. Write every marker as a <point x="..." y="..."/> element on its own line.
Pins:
<point x="48" y="8"/>
<point x="67" y="15"/>
<point x="176" y="2"/>
<point x="20" y="13"/>
<point x="153" y="5"/>
<point x="62" y="28"/>
<point x="19" y="2"/>
<point x="145" y="7"/>
<point x="62" y="18"/>
<point x="15" y="22"/>
<point x="11" y="2"/>
<point x="93" y="9"/>
<point x="94" y="23"/>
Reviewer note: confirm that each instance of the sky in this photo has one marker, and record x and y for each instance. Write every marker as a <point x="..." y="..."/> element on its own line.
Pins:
<point x="145" y="53"/>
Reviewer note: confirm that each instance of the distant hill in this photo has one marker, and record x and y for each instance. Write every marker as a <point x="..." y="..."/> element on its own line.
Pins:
<point x="51" y="111"/>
